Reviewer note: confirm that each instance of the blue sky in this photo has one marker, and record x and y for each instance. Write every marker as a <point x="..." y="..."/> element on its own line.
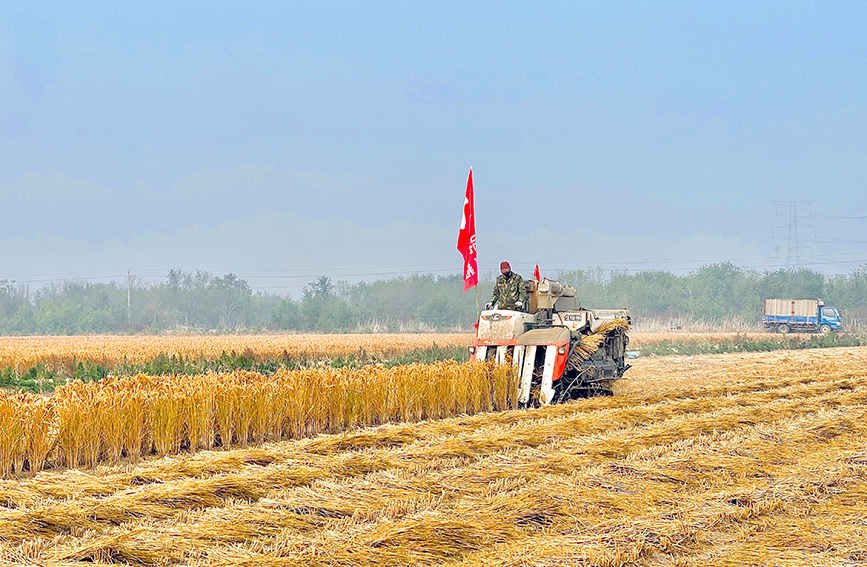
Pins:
<point x="289" y="139"/>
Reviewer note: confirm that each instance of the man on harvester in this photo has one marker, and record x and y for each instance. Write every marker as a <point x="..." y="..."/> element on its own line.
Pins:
<point x="509" y="291"/>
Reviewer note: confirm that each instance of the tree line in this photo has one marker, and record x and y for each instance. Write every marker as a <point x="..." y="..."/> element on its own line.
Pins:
<point x="198" y="301"/>
<point x="718" y="293"/>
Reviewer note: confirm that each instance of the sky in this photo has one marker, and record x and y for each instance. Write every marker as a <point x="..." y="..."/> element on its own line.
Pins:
<point x="281" y="140"/>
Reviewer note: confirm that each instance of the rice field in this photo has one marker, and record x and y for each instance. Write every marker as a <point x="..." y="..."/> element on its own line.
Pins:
<point x="109" y="350"/>
<point x="63" y="353"/>
<point x="738" y="459"/>
<point x="83" y="424"/>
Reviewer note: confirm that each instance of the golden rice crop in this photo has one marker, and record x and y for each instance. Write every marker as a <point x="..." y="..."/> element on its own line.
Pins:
<point x="83" y="424"/>
<point x="63" y="353"/>
<point x="747" y="459"/>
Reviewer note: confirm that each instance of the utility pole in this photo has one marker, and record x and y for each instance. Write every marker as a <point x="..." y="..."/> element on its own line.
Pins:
<point x="128" y="299"/>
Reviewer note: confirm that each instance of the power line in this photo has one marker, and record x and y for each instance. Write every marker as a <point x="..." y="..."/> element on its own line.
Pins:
<point x="844" y="217"/>
<point x="841" y="241"/>
<point x="64" y="278"/>
<point x="666" y="263"/>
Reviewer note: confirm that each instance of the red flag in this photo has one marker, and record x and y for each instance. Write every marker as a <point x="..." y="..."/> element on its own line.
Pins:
<point x="536" y="273"/>
<point x="467" y="238"/>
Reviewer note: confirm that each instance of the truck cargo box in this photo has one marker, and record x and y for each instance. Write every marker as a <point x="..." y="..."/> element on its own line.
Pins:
<point x="792" y="307"/>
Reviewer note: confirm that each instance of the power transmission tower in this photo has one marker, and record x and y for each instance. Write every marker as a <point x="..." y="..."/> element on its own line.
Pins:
<point x="796" y="226"/>
<point x="808" y="231"/>
<point x="793" y="256"/>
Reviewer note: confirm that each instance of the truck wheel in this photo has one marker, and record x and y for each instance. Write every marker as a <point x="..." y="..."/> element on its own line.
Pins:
<point x="783" y="329"/>
<point x="825" y="329"/>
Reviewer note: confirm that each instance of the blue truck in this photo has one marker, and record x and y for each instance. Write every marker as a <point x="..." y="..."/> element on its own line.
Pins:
<point x="804" y="315"/>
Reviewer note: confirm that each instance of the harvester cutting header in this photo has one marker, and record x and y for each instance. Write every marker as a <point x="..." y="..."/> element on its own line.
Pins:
<point x="560" y="350"/>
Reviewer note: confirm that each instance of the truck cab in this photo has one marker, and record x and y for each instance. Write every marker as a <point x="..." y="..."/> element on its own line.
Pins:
<point x="829" y="319"/>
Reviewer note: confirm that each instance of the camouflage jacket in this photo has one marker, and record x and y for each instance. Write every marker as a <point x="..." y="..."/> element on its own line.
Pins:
<point x="508" y="291"/>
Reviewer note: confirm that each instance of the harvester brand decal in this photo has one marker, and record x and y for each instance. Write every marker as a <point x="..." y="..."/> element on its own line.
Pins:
<point x="573" y="317"/>
<point x="496" y="317"/>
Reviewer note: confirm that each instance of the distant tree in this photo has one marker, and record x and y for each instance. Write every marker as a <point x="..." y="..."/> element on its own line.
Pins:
<point x="232" y="296"/>
<point x="320" y="287"/>
<point x="792" y="283"/>
<point x="285" y="315"/>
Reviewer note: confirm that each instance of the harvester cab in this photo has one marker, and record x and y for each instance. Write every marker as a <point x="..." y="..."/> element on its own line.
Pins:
<point x="560" y="350"/>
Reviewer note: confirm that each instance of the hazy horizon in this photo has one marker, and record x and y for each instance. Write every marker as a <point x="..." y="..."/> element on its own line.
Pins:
<point x="280" y="142"/>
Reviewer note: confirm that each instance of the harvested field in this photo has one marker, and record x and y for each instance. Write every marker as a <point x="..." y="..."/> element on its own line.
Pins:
<point x="745" y="459"/>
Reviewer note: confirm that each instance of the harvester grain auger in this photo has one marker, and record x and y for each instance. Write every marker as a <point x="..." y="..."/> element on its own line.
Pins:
<point x="560" y="350"/>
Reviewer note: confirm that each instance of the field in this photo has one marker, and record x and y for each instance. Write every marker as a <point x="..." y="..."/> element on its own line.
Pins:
<point x="107" y="350"/>
<point x="41" y="363"/>
<point x="734" y="459"/>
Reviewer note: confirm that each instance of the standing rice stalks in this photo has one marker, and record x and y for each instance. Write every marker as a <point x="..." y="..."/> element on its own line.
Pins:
<point x="103" y="422"/>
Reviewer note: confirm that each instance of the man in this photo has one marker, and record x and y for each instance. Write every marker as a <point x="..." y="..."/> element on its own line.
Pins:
<point x="509" y="291"/>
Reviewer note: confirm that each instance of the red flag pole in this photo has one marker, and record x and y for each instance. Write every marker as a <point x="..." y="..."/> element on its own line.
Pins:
<point x="467" y="240"/>
<point x="478" y="309"/>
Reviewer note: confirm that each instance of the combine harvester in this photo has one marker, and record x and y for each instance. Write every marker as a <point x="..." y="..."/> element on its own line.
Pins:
<point x="560" y="350"/>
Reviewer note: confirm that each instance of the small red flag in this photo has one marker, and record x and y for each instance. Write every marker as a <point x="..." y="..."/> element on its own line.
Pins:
<point x="467" y="238"/>
<point x="536" y="273"/>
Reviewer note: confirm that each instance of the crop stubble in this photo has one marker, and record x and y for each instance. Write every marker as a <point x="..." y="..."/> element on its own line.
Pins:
<point x="732" y="459"/>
